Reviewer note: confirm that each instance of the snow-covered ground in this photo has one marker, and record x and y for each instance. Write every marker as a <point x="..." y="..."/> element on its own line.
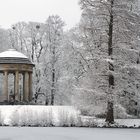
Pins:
<point x="118" y="122"/>
<point x="67" y="133"/>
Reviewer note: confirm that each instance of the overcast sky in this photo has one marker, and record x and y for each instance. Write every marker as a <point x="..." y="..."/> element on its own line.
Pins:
<point x="12" y="11"/>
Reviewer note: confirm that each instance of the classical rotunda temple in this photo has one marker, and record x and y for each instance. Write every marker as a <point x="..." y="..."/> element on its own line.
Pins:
<point x="19" y="87"/>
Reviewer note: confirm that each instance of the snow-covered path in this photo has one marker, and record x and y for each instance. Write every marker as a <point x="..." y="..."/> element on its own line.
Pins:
<point x="68" y="133"/>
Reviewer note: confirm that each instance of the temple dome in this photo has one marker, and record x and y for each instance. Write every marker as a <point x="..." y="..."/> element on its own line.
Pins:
<point x="12" y="53"/>
<point x="11" y="56"/>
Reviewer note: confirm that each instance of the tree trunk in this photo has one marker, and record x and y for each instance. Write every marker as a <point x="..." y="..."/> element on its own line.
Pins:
<point x="110" y="113"/>
<point x="53" y="87"/>
<point x="53" y="76"/>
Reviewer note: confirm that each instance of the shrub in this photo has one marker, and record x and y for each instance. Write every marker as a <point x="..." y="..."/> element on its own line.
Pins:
<point x="1" y="119"/>
<point x="120" y="112"/>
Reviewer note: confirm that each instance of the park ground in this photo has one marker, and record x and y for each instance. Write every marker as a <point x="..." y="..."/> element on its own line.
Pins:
<point x="67" y="133"/>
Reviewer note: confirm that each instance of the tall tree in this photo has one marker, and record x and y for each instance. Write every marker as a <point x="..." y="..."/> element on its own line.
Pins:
<point x="115" y="23"/>
<point x="28" y="38"/>
<point x="54" y="35"/>
<point x="110" y="115"/>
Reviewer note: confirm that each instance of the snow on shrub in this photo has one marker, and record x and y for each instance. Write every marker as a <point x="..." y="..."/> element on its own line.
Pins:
<point x="1" y="119"/>
<point x="41" y="115"/>
<point x="120" y="112"/>
<point x="88" y="121"/>
<point x="67" y="118"/>
<point x="97" y="111"/>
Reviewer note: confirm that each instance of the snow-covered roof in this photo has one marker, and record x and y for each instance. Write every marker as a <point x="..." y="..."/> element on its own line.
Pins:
<point x="12" y="56"/>
<point x="12" y="53"/>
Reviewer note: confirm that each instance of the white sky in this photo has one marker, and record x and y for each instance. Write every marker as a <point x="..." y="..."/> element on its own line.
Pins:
<point x="13" y="11"/>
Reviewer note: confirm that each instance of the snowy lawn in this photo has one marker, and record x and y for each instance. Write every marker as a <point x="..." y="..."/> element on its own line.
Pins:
<point x="130" y="123"/>
<point x="68" y="133"/>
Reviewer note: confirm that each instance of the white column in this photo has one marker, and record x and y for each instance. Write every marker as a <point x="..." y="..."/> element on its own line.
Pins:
<point x="26" y="86"/>
<point x="30" y="87"/>
<point x="5" y="86"/>
<point x="16" y="85"/>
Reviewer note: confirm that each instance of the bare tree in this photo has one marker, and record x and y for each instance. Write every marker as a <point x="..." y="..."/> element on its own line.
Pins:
<point x="107" y="24"/>
<point x="54" y="34"/>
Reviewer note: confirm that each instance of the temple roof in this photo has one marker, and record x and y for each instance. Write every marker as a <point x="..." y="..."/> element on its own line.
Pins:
<point x="12" y="56"/>
<point x="12" y="53"/>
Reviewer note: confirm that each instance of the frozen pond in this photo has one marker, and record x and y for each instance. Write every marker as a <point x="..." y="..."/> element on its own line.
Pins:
<point x="61" y="133"/>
